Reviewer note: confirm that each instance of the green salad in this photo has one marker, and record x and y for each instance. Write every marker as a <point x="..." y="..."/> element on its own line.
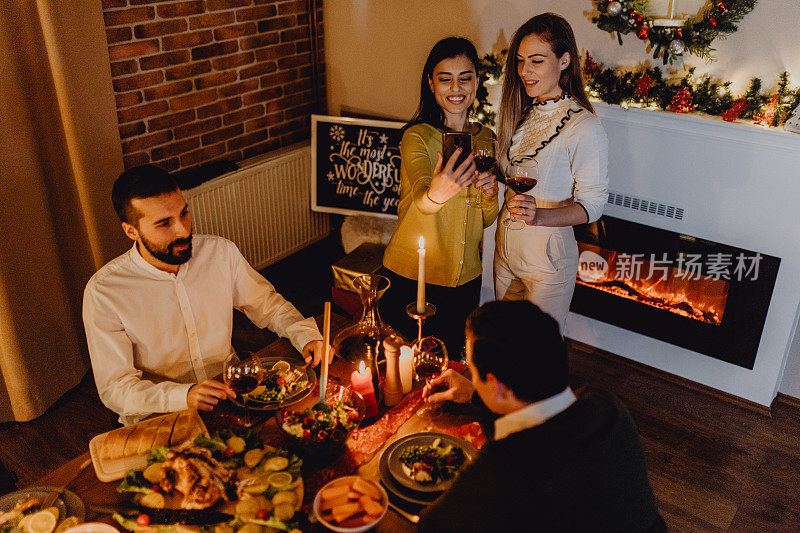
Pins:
<point x="275" y="389"/>
<point x="432" y="463"/>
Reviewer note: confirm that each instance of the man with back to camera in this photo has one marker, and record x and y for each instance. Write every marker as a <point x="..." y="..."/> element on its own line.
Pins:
<point x="159" y="318"/>
<point x="558" y="462"/>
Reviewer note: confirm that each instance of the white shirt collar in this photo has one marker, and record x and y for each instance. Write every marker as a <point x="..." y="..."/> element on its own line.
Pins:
<point x="534" y="414"/>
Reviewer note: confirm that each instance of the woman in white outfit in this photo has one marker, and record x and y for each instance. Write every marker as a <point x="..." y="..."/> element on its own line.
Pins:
<point x="546" y="117"/>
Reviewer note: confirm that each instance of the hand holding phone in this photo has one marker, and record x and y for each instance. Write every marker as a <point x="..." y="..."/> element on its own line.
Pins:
<point x="456" y="139"/>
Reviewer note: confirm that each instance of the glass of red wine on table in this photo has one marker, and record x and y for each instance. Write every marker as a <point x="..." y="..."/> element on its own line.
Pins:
<point x="521" y="178"/>
<point x="484" y="150"/>
<point x="243" y="373"/>
<point x="430" y="360"/>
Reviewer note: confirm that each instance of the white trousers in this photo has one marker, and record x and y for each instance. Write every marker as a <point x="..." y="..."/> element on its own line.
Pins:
<point x="538" y="264"/>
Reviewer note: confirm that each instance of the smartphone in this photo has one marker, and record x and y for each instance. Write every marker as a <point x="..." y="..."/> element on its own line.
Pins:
<point x="456" y="139"/>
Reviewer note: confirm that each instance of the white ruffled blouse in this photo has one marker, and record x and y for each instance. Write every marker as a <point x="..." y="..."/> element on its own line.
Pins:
<point x="571" y="151"/>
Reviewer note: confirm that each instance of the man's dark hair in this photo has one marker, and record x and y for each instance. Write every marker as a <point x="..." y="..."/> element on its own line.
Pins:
<point x="522" y="346"/>
<point x="143" y="181"/>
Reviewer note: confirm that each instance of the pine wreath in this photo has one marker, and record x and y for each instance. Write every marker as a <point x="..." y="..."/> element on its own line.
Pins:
<point x="717" y="18"/>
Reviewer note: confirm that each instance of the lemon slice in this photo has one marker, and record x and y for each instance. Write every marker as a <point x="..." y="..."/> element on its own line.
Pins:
<point x="53" y="511"/>
<point x="23" y="523"/>
<point x="258" y="390"/>
<point x="279" y="479"/>
<point x="281" y="366"/>
<point x="41" y="522"/>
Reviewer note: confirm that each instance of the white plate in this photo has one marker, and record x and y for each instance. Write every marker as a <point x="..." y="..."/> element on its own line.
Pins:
<point x="69" y="504"/>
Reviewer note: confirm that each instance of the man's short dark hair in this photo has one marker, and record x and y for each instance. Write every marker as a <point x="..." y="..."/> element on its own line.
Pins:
<point x="522" y="346"/>
<point x="143" y="181"/>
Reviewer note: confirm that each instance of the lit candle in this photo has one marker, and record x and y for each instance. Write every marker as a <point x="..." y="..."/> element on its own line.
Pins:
<point x="361" y="380"/>
<point x="406" y="368"/>
<point x="421" y="277"/>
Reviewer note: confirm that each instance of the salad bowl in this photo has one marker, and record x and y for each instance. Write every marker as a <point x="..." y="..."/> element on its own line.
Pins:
<point x="321" y="434"/>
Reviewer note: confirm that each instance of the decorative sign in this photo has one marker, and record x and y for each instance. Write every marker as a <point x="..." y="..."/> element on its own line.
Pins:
<point x="355" y="166"/>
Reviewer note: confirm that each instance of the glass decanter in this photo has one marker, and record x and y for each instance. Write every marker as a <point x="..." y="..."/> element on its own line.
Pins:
<point x="364" y="340"/>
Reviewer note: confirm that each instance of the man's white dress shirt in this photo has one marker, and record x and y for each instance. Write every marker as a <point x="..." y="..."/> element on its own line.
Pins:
<point x="152" y="334"/>
<point x="534" y="414"/>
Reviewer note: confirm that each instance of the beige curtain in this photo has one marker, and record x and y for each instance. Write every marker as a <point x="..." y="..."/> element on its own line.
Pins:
<point x="59" y="154"/>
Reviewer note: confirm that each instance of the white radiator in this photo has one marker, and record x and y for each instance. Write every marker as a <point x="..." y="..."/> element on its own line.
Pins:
<point x="264" y="207"/>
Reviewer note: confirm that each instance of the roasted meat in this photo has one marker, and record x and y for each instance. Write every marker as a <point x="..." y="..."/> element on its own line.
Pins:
<point x="196" y="475"/>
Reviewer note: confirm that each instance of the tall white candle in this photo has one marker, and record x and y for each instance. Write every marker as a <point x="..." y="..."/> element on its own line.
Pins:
<point x="421" y="277"/>
<point x="406" y="368"/>
<point x="672" y="9"/>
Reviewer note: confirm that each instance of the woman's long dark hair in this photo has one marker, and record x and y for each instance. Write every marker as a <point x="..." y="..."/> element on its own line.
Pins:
<point x="428" y="110"/>
<point x="515" y="102"/>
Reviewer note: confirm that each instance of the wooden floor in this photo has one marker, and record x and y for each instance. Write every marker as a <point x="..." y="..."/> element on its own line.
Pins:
<point x="714" y="465"/>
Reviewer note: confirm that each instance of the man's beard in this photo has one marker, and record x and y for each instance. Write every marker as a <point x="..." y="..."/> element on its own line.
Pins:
<point x="168" y="254"/>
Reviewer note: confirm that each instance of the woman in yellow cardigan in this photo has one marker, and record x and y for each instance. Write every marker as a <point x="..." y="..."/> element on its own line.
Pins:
<point x="434" y="201"/>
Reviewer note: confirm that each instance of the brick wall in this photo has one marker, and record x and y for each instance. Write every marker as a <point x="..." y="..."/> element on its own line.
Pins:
<point x="204" y="80"/>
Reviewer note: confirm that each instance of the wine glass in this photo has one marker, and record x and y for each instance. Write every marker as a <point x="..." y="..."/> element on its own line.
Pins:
<point x="521" y="178"/>
<point x="243" y="373"/>
<point x="430" y="360"/>
<point x="485" y="150"/>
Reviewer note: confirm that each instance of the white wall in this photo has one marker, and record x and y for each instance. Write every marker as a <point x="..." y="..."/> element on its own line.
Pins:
<point x="375" y="49"/>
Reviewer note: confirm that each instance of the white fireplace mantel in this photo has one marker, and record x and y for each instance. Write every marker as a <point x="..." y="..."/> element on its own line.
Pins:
<point x="739" y="185"/>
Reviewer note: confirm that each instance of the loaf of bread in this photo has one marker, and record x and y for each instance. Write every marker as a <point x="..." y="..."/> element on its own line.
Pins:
<point x="182" y="430"/>
<point x="138" y="439"/>
<point x="114" y="443"/>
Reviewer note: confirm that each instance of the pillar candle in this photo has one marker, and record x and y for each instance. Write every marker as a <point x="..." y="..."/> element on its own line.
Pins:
<point x="421" y="277"/>
<point x="406" y="368"/>
<point x="361" y="380"/>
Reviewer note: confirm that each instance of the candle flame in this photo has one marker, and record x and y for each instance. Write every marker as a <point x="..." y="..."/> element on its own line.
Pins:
<point x="362" y="367"/>
<point x="421" y="242"/>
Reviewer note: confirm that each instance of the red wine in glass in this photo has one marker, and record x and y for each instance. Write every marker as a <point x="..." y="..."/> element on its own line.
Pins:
<point x="243" y="373"/>
<point x="521" y="184"/>
<point x="522" y="177"/>
<point x="429" y="370"/>
<point x="430" y="360"/>
<point x="484" y="163"/>
<point x="242" y="385"/>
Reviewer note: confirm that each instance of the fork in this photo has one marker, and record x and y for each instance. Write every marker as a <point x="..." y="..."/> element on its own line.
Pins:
<point x="292" y="376"/>
<point x="53" y="496"/>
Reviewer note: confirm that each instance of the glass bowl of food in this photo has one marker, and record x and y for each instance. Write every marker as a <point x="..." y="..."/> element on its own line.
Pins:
<point x="321" y="434"/>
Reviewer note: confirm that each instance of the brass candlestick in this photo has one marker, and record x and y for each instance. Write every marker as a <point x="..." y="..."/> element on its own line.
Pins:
<point x="411" y="309"/>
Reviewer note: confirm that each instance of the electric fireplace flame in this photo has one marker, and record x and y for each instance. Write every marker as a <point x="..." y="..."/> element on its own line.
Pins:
<point x="654" y="284"/>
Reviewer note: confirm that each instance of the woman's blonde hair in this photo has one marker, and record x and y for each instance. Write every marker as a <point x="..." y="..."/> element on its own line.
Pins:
<point x="515" y="102"/>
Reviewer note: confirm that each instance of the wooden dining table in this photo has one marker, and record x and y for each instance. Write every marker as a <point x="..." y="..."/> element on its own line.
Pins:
<point x="93" y="492"/>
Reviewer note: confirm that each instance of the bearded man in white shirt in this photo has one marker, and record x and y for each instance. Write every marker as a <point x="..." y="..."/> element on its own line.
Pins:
<point x="560" y="460"/>
<point x="159" y="318"/>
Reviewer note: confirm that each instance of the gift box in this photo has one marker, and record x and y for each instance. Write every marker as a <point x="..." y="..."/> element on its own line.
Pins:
<point x="366" y="259"/>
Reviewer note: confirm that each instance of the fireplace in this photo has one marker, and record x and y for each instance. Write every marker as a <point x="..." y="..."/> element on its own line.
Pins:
<point x="705" y="296"/>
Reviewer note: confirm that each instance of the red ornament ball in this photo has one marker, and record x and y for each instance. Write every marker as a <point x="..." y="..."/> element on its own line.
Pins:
<point x="639" y="18"/>
<point x="643" y="32"/>
<point x="722" y="6"/>
<point x="712" y="23"/>
<point x="679" y="32"/>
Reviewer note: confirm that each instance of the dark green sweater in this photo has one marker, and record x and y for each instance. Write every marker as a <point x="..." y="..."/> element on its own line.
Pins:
<point x="582" y="470"/>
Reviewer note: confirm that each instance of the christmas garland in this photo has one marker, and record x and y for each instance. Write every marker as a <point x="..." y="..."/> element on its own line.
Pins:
<point x="490" y="70"/>
<point x="695" y="36"/>
<point x="647" y="88"/>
